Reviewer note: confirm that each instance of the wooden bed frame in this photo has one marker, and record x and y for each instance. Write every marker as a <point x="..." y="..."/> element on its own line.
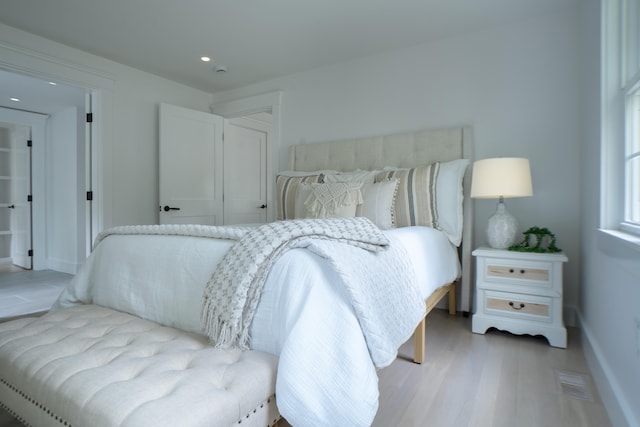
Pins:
<point x="404" y="150"/>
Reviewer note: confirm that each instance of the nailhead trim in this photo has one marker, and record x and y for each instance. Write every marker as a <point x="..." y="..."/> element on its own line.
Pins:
<point x="34" y="402"/>
<point x="256" y="411"/>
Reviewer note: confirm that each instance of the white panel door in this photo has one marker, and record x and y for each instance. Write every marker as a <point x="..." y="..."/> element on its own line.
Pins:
<point x="21" y="191"/>
<point x="245" y="172"/>
<point x="190" y="166"/>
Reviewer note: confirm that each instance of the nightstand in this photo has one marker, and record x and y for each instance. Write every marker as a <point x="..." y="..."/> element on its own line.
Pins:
<point x="520" y="292"/>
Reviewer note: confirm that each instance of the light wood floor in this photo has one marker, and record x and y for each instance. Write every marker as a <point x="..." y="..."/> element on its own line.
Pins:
<point x="496" y="379"/>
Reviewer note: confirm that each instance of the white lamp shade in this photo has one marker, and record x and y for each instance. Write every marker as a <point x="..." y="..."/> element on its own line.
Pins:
<point x="501" y="177"/>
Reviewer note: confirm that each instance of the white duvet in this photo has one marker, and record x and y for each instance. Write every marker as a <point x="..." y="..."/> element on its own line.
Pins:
<point x="325" y="373"/>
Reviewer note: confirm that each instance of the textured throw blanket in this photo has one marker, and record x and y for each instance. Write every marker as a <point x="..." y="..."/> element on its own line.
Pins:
<point x="216" y="232"/>
<point x="232" y="295"/>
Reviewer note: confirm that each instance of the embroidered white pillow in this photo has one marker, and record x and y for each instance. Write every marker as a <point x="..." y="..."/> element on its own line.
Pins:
<point x="378" y="204"/>
<point x="333" y="200"/>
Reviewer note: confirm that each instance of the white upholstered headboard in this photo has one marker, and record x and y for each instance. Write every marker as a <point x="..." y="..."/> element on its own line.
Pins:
<point x="403" y="150"/>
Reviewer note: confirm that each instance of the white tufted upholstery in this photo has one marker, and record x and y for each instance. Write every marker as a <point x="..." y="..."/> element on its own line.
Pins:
<point x="91" y="366"/>
<point x="404" y="150"/>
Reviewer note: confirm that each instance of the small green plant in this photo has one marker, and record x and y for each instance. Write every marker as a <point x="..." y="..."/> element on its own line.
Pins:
<point x="537" y="239"/>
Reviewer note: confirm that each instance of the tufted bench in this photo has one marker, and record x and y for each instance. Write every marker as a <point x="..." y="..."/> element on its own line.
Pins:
<point x="90" y="366"/>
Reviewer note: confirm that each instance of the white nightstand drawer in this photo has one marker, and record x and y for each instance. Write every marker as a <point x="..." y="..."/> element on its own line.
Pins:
<point x="520" y="292"/>
<point x="519" y="272"/>
<point x="517" y="305"/>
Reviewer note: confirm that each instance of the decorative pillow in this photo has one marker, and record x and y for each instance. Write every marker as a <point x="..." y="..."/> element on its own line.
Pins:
<point x="303" y="173"/>
<point x="450" y="198"/>
<point x="378" y="204"/>
<point x="359" y="175"/>
<point x="416" y="195"/>
<point x="331" y="200"/>
<point x="286" y="188"/>
<point x="302" y="194"/>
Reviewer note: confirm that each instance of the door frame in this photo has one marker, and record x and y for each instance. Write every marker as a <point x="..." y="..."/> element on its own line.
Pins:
<point x="270" y="102"/>
<point x="100" y="85"/>
<point x="249" y="122"/>
<point x="37" y="123"/>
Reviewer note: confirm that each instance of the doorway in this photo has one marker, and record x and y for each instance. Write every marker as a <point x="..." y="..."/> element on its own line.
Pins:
<point x="54" y="114"/>
<point x="15" y="191"/>
<point x="264" y="108"/>
<point x="247" y="145"/>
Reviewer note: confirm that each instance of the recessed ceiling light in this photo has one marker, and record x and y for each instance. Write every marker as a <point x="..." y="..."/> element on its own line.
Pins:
<point x="15" y="99"/>
<point x="53" y="83"/>
<point x="205" y="59"/>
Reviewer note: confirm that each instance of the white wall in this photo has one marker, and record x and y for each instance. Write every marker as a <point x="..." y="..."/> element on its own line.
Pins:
<point x="610" y="288"/>
<point x="126" y="120"/>
<point x="515" y="85"/>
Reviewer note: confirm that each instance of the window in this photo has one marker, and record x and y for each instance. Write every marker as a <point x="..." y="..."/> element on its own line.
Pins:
<point x="630" y="67"/>
<point x="631" y="220"/>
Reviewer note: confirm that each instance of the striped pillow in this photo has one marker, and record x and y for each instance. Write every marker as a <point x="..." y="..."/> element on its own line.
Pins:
<point x="415" y="202"/>
<point x="286" y="188"/>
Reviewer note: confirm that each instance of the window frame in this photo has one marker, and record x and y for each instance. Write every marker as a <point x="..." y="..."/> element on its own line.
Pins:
<point x="629" y="19"/>
<point x="620" y="71"/>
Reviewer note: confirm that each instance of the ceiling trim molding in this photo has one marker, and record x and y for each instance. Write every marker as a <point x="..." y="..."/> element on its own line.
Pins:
<point x="47" y="67"/>
<point x="249" y="105"/>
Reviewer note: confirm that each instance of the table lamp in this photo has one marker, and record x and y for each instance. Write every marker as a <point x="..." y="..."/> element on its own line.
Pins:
<point x="501" y="178"/>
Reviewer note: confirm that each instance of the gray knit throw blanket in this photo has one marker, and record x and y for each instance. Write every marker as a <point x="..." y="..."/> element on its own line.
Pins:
<point x="232" y="295"/>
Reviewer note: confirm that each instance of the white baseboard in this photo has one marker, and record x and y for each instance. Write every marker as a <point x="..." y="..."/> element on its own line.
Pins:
<point x="62" y="266"/>
<point x="618" y="407"/>
<point x="569" y="315"/>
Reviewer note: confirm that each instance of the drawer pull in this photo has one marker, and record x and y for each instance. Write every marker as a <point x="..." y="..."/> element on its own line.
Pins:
<point x="512" y="305"/>
<point x="520" y="273"/>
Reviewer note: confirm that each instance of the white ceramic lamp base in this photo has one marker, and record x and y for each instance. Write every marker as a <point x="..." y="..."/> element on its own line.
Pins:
<point x="502" y="228"/>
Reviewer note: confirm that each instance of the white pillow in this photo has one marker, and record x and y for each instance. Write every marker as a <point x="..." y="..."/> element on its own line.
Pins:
<point x="302" y="173"/>
<point x="333" y="200"/>
<point x="378" y="203"/>
<point x="359" y="175"/>
<point x="450" y="197"/>
<point x="302" y="194"/>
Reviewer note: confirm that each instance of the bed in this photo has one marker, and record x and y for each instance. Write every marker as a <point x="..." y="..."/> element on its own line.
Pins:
<point x="125" y="346"/>
<point x="410" y="150"/>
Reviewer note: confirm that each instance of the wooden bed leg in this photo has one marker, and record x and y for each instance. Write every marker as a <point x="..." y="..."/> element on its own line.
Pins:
<point x="418" y="341"/>
<point x="452" y="299"/>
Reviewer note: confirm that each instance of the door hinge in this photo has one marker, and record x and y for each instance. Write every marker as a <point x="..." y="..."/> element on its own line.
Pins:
<point x="89" y="117"/>
<point x="89" y="195"/>
<point x="29" y="143"/>
<point x="29" y="198"/>
<point x="30" y="252"/>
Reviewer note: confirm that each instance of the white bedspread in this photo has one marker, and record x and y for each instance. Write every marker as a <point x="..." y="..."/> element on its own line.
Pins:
<point x="325" y="373"/>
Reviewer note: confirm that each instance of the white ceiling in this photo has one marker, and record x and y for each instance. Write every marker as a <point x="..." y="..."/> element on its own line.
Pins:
<point x="255" y="39"/>
<point x="36" y="95"/>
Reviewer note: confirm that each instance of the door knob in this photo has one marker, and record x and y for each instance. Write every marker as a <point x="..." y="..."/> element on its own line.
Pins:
<point x="169" y="208"/>
<point x="263" y="207"/>
<point x="11" y="206"/>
